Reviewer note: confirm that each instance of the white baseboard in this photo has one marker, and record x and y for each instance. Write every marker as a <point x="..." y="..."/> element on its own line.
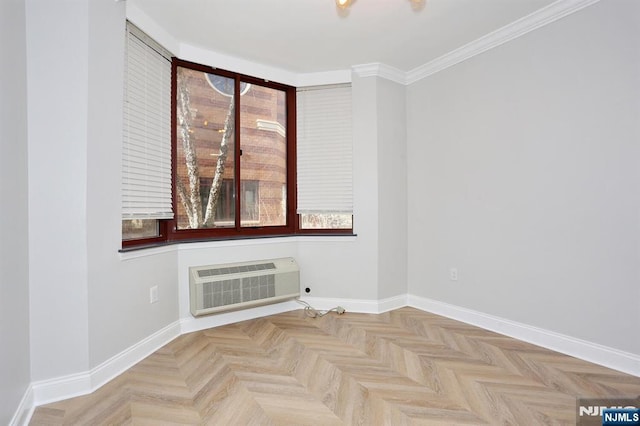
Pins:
<point x="582" y="349"/>
<point x="358" y="305"/>
<point x="25" y="409"/>
<point x="73" y="385"/>
<point x="118" y="364"/>
<point x="191" y="324"/>
<point x="188" y="325"/>
<point x="59" y="388"/>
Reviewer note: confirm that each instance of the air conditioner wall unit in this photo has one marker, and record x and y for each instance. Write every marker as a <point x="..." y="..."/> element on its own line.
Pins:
<point x="225" y="287"/>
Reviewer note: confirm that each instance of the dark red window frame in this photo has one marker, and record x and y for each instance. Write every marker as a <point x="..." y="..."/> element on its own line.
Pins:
<point x="167" y="229"/>
<point x="174" y="234"/>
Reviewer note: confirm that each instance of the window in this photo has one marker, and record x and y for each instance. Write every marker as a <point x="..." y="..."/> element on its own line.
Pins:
<point x="212" y="154"/>
<point x="325" y="156"/>
<point x="234" y="152"/>
<point x="146" y="157"/>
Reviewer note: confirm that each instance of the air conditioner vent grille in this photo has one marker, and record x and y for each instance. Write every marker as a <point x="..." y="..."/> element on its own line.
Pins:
<point x="230" y="292"/>
<point x="232" y="286"/>
<point x="235" y="269"/>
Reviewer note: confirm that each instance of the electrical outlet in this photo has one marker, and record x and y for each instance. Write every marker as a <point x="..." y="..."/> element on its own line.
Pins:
<point x="453" y="274"/>
<point x="153" y="294"/>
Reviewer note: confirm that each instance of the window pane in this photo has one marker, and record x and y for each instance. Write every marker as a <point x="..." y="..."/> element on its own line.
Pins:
<point x="136" y="229"/>
<point x="250" y="212"/>
<point x="326" y="221"/>
<point x="205" y="150"/>
<point x="263" y="171"/>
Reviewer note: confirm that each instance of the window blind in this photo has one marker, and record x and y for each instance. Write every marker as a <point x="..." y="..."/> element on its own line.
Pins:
<point x="324" y="150"/>
<point x="146" y="162"/>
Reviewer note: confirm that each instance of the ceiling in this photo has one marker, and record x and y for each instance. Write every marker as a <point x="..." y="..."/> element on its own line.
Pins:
<point x="312" y="35"/>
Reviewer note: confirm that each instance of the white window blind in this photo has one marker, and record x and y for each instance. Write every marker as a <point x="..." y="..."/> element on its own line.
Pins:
<point x="324" y="150"/>
<point x="146" y="162"/>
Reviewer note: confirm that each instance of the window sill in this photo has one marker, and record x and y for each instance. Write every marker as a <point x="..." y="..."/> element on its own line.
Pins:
<point x="169" y="246"/>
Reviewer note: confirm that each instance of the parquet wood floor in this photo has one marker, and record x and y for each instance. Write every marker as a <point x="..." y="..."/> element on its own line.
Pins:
<point x="403" y="367"/>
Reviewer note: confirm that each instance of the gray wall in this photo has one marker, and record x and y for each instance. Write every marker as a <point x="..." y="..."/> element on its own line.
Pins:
<point x="87" y="305"/>
<point x="392" y="188"/>
<point x="380" y="196"/>
<point x="57" y="95"/>
<point x="14" y="273"/>
<point x="523" y="171"/>
<point x="120" y="314"/>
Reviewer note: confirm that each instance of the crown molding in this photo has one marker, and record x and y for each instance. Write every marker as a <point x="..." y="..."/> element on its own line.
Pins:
<point x="551" y="13"/>
<point x="380" y="70"/>
<point x="522" y="26"/>
<point x="323" y="78"/>
<point x="366" y="70"/>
